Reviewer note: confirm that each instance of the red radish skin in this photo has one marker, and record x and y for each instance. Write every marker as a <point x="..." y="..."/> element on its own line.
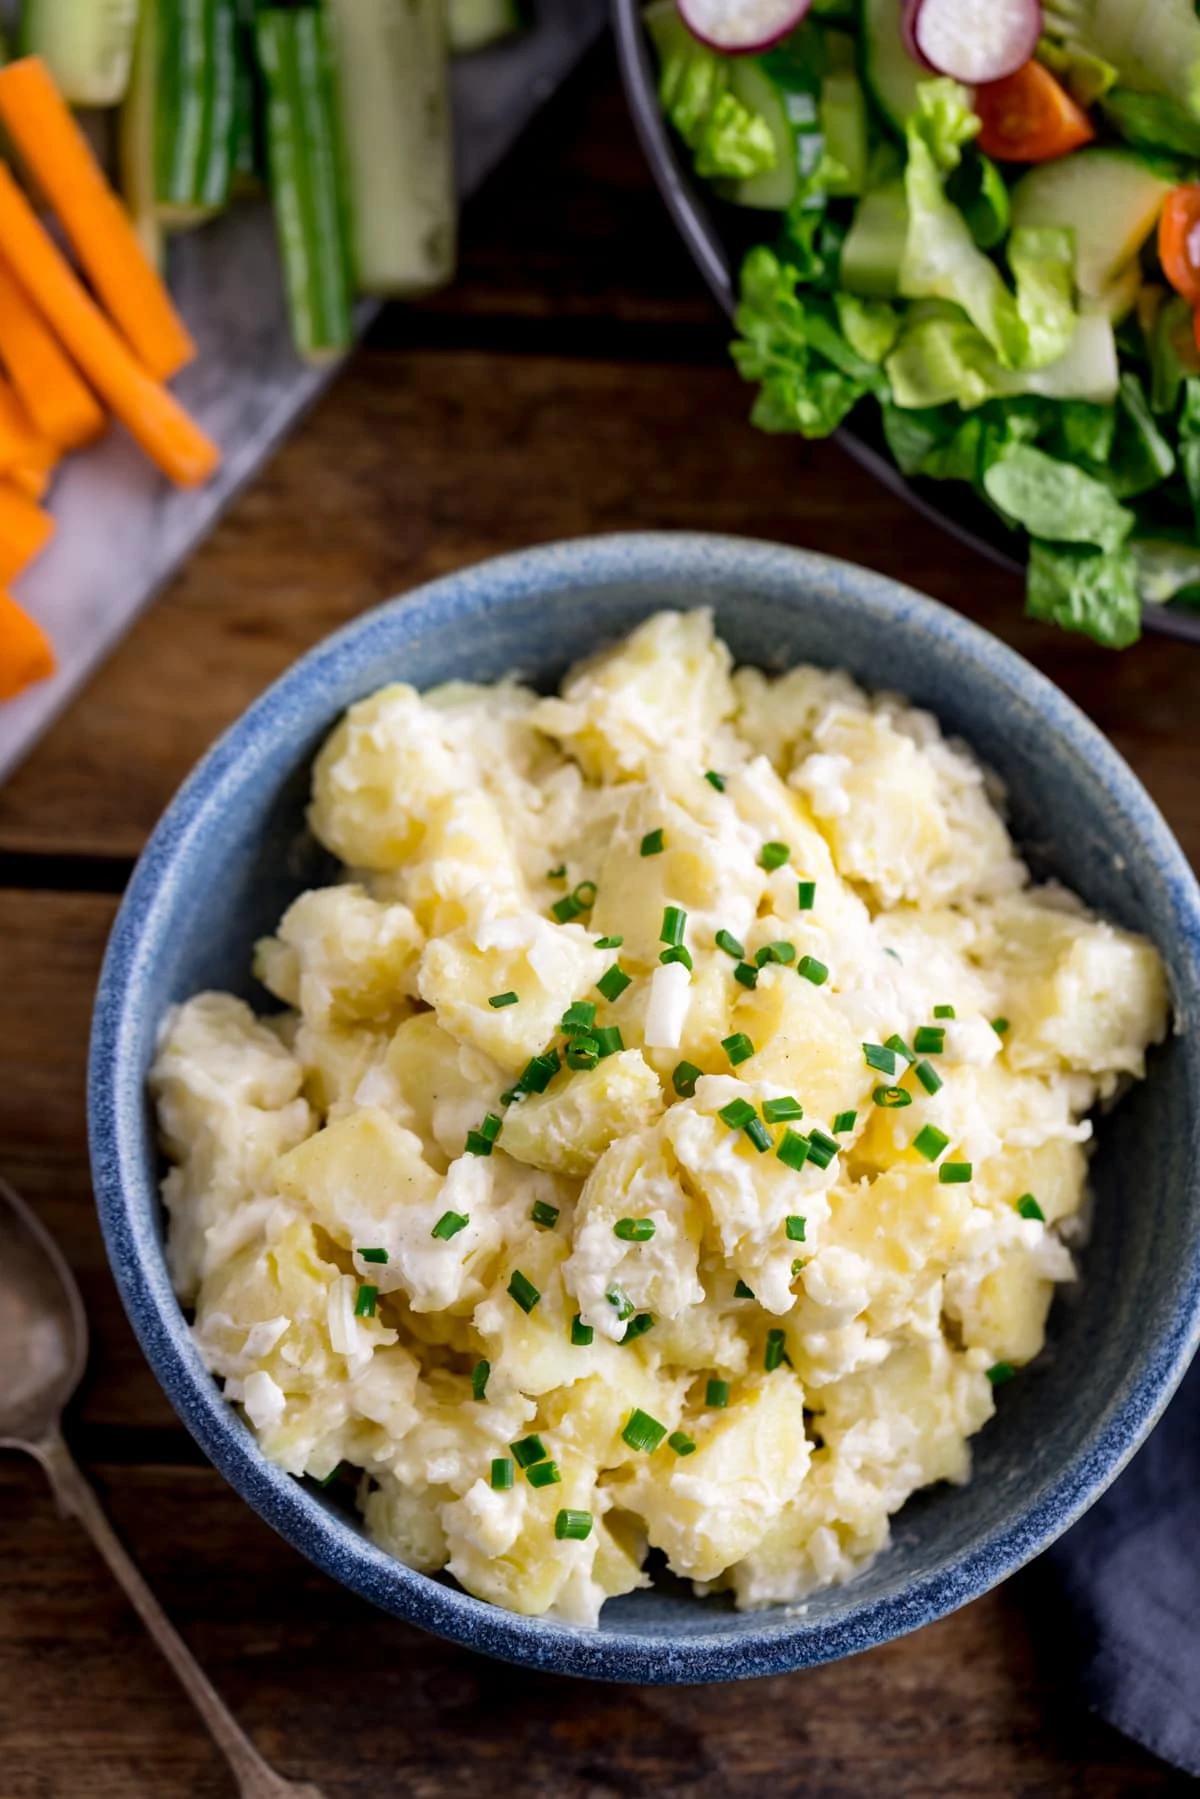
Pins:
<point x="741" y="27"/>
<point x="908" y="19"/>
<point x="974" y="40"/>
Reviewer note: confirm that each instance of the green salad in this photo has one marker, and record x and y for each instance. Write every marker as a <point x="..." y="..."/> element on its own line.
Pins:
<point x="1008" y="271"/>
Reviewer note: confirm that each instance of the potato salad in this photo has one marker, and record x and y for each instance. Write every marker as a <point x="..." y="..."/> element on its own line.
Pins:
<point x="672" y="1135"/>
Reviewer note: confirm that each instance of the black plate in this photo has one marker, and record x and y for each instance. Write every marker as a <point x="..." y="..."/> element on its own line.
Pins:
<point x="716" y="235"/>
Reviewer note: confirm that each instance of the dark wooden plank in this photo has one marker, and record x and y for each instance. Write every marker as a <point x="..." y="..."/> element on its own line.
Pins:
<point x="416" y="464"/>
<point x="973" y="1708"/>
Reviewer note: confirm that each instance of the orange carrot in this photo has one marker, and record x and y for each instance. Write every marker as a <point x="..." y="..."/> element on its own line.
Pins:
<point x="20" y="445"/>
<point x="31" y="481"/>
<point x="25" y="530"/>
<point x="53" y="394"/>
<point x="98" y="225"/>
<point x="152" y="415"/>
<point x="25" y="650"/>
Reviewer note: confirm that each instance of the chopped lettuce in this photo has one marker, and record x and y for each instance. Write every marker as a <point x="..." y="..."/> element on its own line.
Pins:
<point x="1042" y="262"/>
<point x="870" y="327"/>
<point x="1165" y="566"/>
<point x="725" y="137"/>
<point x="1154" y="48"/>
<point x="1152" y="122"/>
<point x="810" y="376"/>
<point x="1054" y="499"/>
<point x="1139" y="456"/>
<point x="1092" y="591"/>
<point x="977" y="188"/>
<point x="1086" y="78"/>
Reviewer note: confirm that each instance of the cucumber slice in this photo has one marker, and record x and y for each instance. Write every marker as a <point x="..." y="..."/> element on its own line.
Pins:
<point x="88" y="45"/>
<point x="874" y="246"/>
<point x="889" y="72"/>
<point x="1111" y="199"/>
<point x="1154" y="45"/>
<point x="473" y="24"/>
<point x="395" y="109"/>
<point x="792" y="121"/>
<point x="1087" y="370"/>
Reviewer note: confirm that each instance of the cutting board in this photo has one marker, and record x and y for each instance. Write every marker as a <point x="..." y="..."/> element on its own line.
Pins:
<point x="122" y="531"/>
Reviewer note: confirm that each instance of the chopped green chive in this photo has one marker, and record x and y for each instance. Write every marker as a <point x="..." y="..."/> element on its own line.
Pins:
<point x="892" y="1097"/>
<point x="716" y="1394"/>
<point x="539" y="1072"/>
<point x="930" y="1040"/>
<point x="608" y="1040"/>
<point x="812" y="970"/>
<point x="608" y="943"/>
<point x="477" y="1145"/>
<point x="806" y="893"/>
<point x="578" y="1018"/>
<point x="449" y="1225"/>
<point x="368" y="1299"/>
<point x="638" y="1325"/>
<point x="573" y="1527"/>
<point x="747" y="974"/>
<point x="511" y="1095"/>
<point x="503" y="1474"/>
<point x="529" y="1450"/>
<point x="737" y="1114"/>
<point x="928" y="1076"/>
<point x="955" y="1174"/>
<point x="776" y="1351"/>
<point x="797" y="1266"/>
<point x="943" y="1011"/>
<point x="844" y="1122"/>
<point x="674" y="923"/>
<point x="738" y="1047"/>
<point x="775" y="952"/>
<point x="585" y="894"/>
<point x="499" y="1000"/>
<point x="1028" y="1207"/>
<point x="582" y="1053"/>
<point x="677" y="954"/>
<point x="999" y="1025"/>
<point x="480" y="1375"/>
<point x="582" y="1334"/>
<point x="930" y="1142"/>
<point x="643" y="1432"/>
<point x="821" y="1149"/>
<point x="522" y="1290"/>
<point x="773" y="855"/>
<point x="728" y="942"/>
<point x="543" y="1474"/>
<point x="896" y="1042"/>
<point x="715" y="780"/>
<point x="491" y="1127"/>
<point x="759" y="1135"/>
<point x="681" y="1444"/>
<point x="567" y="909"/>
<point x="613" y="983"/>
<point x="634" y="1230"/>
<point x="795" y="1227"/>
<point x="557" y="874"/>
<point x="776" y="1111"/>
<point x="882" y="1060"/>
<point x="373" y="1255"/>
<point x="999" y="1372"/>
<point x="329" y="1478"/>
<point x="653" y="843"/>
<point x="620" y="1301"/>
<point x="543" y="1214"/>
<point x="684" y="1079"/>
<point x="793" y="1149"/>
<point x="742" y="1291"/>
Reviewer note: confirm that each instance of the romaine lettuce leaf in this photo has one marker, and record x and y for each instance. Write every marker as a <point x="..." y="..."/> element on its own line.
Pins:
<point x="809" y="375"/>
<point x="1152" y="122"/>
<point x="1087" y="590"/>
<point x="1056" y="500"/>
<point x="1042" y="262"/>
<point x="1139" y="457"/>
<point x="870" y="327"/>
<point x="724" y="136"/>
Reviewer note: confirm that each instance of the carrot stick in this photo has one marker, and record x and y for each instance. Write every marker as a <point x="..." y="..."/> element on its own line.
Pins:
<point x="26" y="654"/>
<point x="31" y="481"/>
<point x="25" y="530"/>
<point x="152" y="415"/>
<point x="98" y="225"/>
<point x="53" y="394"/>
<point x="20" y="445"/>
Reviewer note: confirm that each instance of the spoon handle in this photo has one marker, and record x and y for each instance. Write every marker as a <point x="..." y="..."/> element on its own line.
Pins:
<point x="77" y="1499"/>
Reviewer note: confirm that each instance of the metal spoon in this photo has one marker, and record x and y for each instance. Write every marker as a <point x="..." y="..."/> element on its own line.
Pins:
<point x="43" y="1348"/>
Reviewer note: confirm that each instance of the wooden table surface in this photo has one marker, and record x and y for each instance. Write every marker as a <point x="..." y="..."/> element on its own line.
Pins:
<point x="574" y="381"/>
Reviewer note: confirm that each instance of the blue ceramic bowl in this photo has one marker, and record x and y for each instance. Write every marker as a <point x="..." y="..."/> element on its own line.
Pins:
<point x="232" y="850"/>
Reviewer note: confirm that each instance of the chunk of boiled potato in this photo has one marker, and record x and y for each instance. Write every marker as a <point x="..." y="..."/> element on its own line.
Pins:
<point x="1079" y="993"/>
<point x="1054" y="1173"/>
<point x="546" y="965"/>
<point x="906" y="1228"/>
<point x="777" y="715"/>
<point x="637" y="1177"/>
<point x="1005" y="1313"/>
<point x="804" y="1044"/>
<point x="406" y="1521"/>
<point x="665" y="688"/>
<point x="568" y="1128"/>
<point x="824" y="1536"/>
<point x="342" y="958"/>
<point x="438" y="1087"/>
<point x="531" y="1352"/>
<point x="378" y="775"/>
<point x="708" y="1510"/>
<point x="336" y="1060"/>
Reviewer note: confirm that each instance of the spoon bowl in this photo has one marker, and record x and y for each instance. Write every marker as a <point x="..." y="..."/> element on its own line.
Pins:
<point x="43" y="1329"/>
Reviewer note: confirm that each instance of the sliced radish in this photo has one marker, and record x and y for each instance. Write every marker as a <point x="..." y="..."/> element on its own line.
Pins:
<point x="740" y="27"/>
<point x="974" y="40"/>
<point x="908" y="20"/>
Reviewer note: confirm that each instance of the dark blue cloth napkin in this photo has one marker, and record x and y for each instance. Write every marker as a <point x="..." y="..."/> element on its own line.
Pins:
<point x="1131" y="1571"/>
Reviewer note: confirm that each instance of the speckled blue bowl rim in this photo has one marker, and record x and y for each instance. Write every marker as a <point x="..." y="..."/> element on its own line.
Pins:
<point x="115" y="1105"/>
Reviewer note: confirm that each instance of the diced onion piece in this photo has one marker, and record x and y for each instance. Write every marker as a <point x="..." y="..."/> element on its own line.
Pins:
<point x="741" y="26"/>
<point x="263" y="1399"/>
<point x="669" y="996"/>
